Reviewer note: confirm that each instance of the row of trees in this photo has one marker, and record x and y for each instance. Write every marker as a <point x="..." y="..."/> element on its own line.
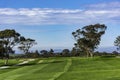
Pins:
<point x="9" y="39"/>
<point x="87" y="40"/>
<point x="46" y="54"/>
<point x="63" y="53"/>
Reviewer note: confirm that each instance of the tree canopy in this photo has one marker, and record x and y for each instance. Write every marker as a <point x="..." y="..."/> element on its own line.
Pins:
<point x="88" y="38"/>
<point x="26" y="44"/>
<point x="117" y="43"/>
<point x="8" y="39"/>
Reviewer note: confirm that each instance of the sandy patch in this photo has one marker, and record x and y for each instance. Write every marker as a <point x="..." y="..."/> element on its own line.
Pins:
<point x="25" y="62"/>
<point x="40" y="61"/>
<point x="4" y="67"/>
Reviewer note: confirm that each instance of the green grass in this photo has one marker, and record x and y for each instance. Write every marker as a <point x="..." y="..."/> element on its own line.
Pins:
<point x="11" y="62"/>
<point x="64" y="69"/>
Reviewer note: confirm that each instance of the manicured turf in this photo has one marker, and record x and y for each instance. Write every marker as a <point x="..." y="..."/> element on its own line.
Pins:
<point x="65" y="69"/>
<point x="11" y="62"/>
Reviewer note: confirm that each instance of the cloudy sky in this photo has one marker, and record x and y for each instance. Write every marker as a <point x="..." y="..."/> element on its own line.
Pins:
<point x="51" y="22"/>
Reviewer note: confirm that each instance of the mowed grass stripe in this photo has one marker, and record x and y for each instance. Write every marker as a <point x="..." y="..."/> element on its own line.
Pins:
<point x="93" y="69"/>
<point x="66" y="69"/>
<point x="91" y="64"/>
<point x="113" y="63"/>
<point x="20" y="72"/>
<point x="37" y="67"/>
<point x="57" y="75"/>
<point x="14" y="65"/>
<point x="14" y="69"/>
<point x="104" y="75"/>
<point x="47" y="72"/>
<point x="55" y="66"/>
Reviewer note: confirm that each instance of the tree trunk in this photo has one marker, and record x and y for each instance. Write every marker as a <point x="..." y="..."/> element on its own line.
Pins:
<point x="6" y="58"/>
<point x="87" y="53"/>
<point x="91" y="54"/>
<point x="6" y="61"/>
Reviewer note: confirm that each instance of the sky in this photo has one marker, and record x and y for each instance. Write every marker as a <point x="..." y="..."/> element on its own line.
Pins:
<point x="51" y="22"/>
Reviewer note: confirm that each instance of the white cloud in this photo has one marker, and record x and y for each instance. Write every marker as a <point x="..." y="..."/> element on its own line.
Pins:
<point x="96" y="13"/>
<point x="109" y="5"/>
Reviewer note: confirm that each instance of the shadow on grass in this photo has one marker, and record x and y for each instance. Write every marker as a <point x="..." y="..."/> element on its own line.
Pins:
<point x="28" y="64"/>
<point x="31" y="64"/>
<point x="7" y="65"/>
<point x="54" y="62"/>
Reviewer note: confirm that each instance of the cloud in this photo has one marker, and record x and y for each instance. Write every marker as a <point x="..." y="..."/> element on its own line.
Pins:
<point x="95" y="13"/>
<point x="108" y="5"/>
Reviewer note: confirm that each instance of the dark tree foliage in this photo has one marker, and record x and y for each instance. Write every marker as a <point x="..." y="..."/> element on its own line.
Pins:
<point x="44" y="53"/>
<point x="51" y="52"/>
<point x="8" y="39"/>
<point x="115" y="53"/>
<point x="26" y="44"/>
<point x="66" y="52"/>
<point x="77" y="52"/>
<point x="2" y="51"/>
<point x="117" y="43"/>
<point x="88" y="38"/>
<point x="33" y="54"/>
